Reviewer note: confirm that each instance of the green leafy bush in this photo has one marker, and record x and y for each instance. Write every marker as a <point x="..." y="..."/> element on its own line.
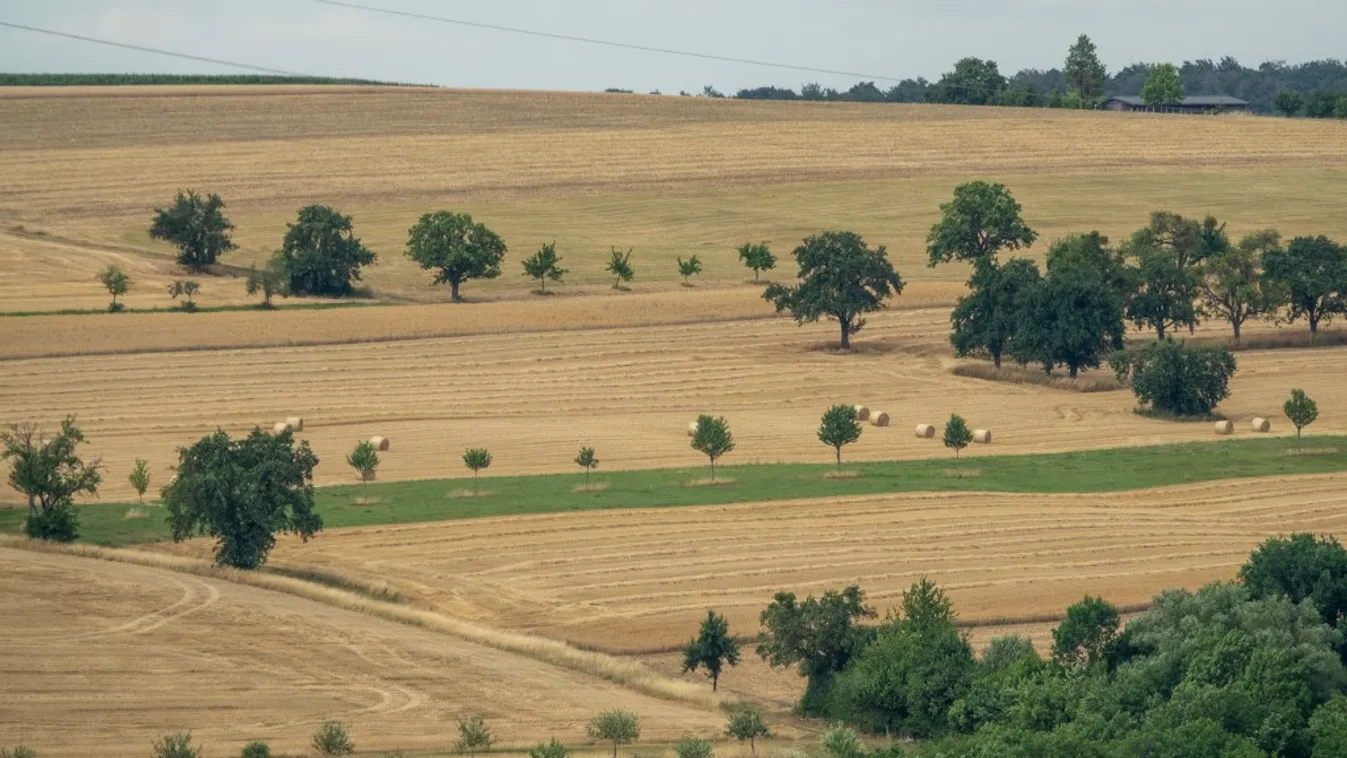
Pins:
<point x="1176" y="379"/>
<point x="332" y="739"/>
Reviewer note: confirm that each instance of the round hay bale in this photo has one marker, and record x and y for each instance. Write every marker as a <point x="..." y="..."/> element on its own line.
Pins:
<point x="295" y="423"/>
<point x="879" y="418"/>
<point x="692" y="428"/>
<point x="1261" y="425"/>
<point x="379" y="443"/>
<point x="1224" y="428"/>
<point x="982" y="436"/>
<point x="862" y="413"/>
<point x="282" y="428"/>
<point x="925" y="431"/>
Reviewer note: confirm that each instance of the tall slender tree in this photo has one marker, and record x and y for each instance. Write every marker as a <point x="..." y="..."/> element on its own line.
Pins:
<point x="1084" y="72"/>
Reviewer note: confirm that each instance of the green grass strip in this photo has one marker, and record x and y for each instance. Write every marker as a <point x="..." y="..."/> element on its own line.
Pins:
<point x="1108" y="470"/>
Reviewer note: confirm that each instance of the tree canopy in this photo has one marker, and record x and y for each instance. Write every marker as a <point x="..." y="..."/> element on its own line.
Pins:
<point x="544" y="266"/>
<point x="1072" y="317"/>
<point x="1175" y="378"/>
<point x="985" y="320"/>
<point x="1232" y="282"/>
<point x="456" y="248"/>
<point x="1084" y="72"/>
<point x="982" y="220"/>
<point x="819" y="636"/>
<point x="117" y="283"/>
<point x="712" y="438"/>
<point x="712" y="649"/>
<point x="973" y="81"/>
<point x="1163" y="85"/>
<point x="841" y="278"/>
<point x="51" y="474"/>
<point x="321" y="254"/>
<point x="757" y="256"/>
<point x="839" y="428"/>
<point x="196" y="225"/>
<point x="1312" y="273"/>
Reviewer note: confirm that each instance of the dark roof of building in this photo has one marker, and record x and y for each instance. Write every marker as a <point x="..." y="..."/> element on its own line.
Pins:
<point x="1196" y="100"/>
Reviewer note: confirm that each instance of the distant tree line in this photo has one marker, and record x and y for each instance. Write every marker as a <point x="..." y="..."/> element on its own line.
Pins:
<point x="103" y="80"/>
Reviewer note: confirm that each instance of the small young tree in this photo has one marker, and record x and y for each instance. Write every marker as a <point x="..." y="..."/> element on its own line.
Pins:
<point x="365" y="460"/>
<point x="185" y="288"/>
<point x="118" y="284"/>
<point x="256" y="750"/>
<point x="957" y="434"/>
<point x="456" y="248"/>
<point x="1289" y="102"/>
<point x="320" y="254"/>
<point x="711" y="649"/>
<point x="474" y="736"/>
<point x="176" y="746"/>
<point x="757" y="257"/>
<point x="689" y="268"/>
<point x="542" y="266"/>
<point x="270" y="280"/>
<point x="616" y="726"/>
<point x="140" y="478"/>
<point x="51" y="474"/>
<point x="332" y="739"/>
<point x="712" y="439"/>
<point x="693" y="747"/>
<point x="550" y="749"/>
<point x="746" y="724"/>
<point x="619" y="265"/>
<point x="1177" y="379"/>
<point x="1302" y="410"/>
<point x="841" y="742"/>
<point x="587" y="461"/>
<point x="196" y="226"/>
<point x="839" y="428"/>
<point x="477" y="458"/>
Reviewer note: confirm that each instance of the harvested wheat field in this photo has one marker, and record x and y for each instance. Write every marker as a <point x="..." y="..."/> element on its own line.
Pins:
<point x="129" y="653"/>
<point x="534" y="397"/>
<point x="641" y="580"/>
<point x="666" y="176"/>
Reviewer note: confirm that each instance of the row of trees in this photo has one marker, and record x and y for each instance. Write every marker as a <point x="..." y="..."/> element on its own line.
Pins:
<point x="1252" y="668"/>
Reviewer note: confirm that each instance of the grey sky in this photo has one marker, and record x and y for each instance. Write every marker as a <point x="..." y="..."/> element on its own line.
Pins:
<point x="898" y="38"/>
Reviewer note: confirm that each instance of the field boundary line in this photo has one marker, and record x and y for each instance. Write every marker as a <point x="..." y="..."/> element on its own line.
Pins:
<point x="630" y="674"/>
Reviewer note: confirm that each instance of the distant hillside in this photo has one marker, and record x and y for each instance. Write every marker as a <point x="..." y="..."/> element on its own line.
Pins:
<point x="100" y="80"/>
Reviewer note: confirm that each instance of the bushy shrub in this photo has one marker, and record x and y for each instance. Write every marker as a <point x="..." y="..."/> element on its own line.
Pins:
<point x="18" y="752"/>
<point x="60" y="523"/>
<point x="1173" y="378"/>
<point x="552" y="749"/>
<point x="474" y="735"/>
<point x="332" y="739"/>
<point x="256" y="750"/>
<point x="692" y="747"/>
<point x="841" y="742"/>
<point x="176" y="746"/>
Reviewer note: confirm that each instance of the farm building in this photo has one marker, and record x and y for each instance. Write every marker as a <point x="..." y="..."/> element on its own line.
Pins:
<point x="1195" y="104"/>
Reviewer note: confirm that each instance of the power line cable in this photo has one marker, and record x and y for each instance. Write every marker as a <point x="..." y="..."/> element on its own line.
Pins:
<point x="606" y="43"/>
<point x="155" y="50"/>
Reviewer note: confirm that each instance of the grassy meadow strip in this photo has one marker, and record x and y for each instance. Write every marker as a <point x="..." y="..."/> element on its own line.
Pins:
<point x="1108" y="470"/>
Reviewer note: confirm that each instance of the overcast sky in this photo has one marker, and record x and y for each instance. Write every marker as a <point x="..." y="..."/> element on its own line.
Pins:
<point x="880" y="38"/>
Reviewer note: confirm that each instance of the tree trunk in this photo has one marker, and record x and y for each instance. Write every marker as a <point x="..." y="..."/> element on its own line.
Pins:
<point x="713" y="469"/>
<point x="614" y="748"/>
<point x="586" y="477"/>
<point x="1236" y="324"/>
<point x="752" y="747"/>
<point x="1314" y="326"/>
<point x="996" y="358"/>
<point x="715" y="682"/>
<point x="453" y="291"/>
<point x="1075" y="370"/>
<point x="474" y="482"/>
<point x="846" y="334"/>
<point x="1160" y="332"/>
<point x="542" y="284"/>
<point x="839" y="461"/>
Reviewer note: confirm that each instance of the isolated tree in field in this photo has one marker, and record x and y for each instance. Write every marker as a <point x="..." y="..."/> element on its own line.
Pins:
<point x="1087" y="633"/>
<point x="1288" y="102"/>
<point x="757" y="256"/>
<point x="746" y="724"/>
<point x="542" y="266"/>
<point x="587" y="461"/>
<point x="1301" y="410"/>
<point x="713" y="439"/>
<point x="1073" y="317"/>
<point x="140" y="478"/>
<point x="1312" y="272"/>
<point x="616" y="726"/>
<point x="549" y="749"/>
<point x="839" y="428"/>
<point x="982" y="220"/>
<point x="1233" y="287"/>
<point x="1163" y="85"/>
<point x="270" y="280"/>
<point x="819" y="636"/>
<point x="175" y="746"/>
<point x="321" y="254"/>
<point x="51" y="474"/>
<point x="186" y="289"/>
<point x="117" y="283"/>
<point x="241" y="492"/>
<point x="689" y="268"/>
<point x="365" y="460"/>
<point x="1177" y="379"/>
<point x="711" y="649"/>
<point x="984" y="321"/>
<point x="1084" y="72"/>
<point x="474" y="736"/>
<point x="196" y="225"/>
<point x="957" y="434"/>
<point x="841" y="278"/>
<point x="456" y="248"/>
<point x="332" y="739"/>
<point x="619" y="265"/>
<point x="477" y="458"/>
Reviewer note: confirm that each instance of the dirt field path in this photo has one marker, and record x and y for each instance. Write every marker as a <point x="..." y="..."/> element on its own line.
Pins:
<point x="101" y="658"/>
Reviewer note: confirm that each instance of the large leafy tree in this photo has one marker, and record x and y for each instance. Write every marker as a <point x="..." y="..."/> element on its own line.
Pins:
<point x="1312" y="272"/>
<point x="841" y="278"/>
<point x="196" y="225"/>
<point x="712" y="649"/>
<point x="241" y="492"/>
<point x="456" y="248"/>
<point x="1300" y="567"/>
<point x="972" y="82"/>
<point x="1232" y="283"/>
<point x="978" y="223"/>
<point x="819" y="636"/>
<point x="1163" y="85"/>
<point x="1177" y="379"/>
<point x="321" y="253"/>
<point x="1084" y="72"/>
<point x="1073" y="317"/>
<point x="985" y="320"/>
<point x="50" y="473"/>
<point x="1166" y="257"/>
